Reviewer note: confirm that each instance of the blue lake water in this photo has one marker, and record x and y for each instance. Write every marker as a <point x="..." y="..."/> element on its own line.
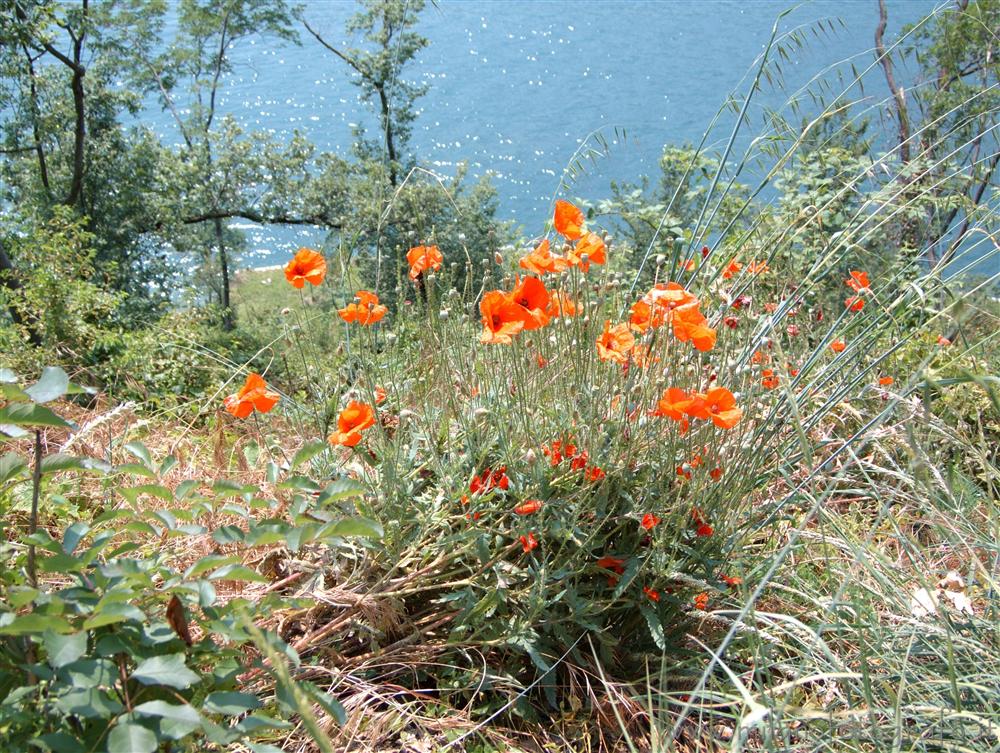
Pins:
<point x="515" y="85"/>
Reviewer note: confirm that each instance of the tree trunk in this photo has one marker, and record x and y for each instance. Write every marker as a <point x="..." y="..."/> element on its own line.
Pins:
<point x="228" y="319"/>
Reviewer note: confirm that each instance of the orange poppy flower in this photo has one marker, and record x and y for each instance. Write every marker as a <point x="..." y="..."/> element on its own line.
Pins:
<point x="528" y="507"/>
<point x="528" y="542"/>
<point x="541" y="260"/>
<point x="568" y="220"/>
<point x="673" y="404"/>
<point x="653" y="595"/>
<point x="502" y="318"/>
<point x="858" y="281"/>
<point x="701" y="601"/>
<point x="649" y="521"/>
<point x="306" y="266"/>
<point x="943" y="341"/>
<point x="615" y="564"/>
<point x="422" y="258"/>
<point x="366" y="311"/>
<point x="732" y="269"/>
<point x="561" y="304"/>
<point x="886" y="381"/>
<point x="717" y="404"/>
<point x="541" y="360"/>
<point x="531" y="295"/>
<point x="715" y="473"/>
<point x="253" y="395"/>
<point x="854" y="303"/>
<point x="768" y="379"/>
<point x="615" y="343"/>
<point x="691" y="326"/>
<point x="837" y="346"/>
<point x="594" y="473"/>
<point x="757" y="267"/>
<point x="590" y="246"/>
<point x="731" y="580"/>
<point x="379" y="395"/>
<point x="354" y="419"/>
<point x="670" y="295"/>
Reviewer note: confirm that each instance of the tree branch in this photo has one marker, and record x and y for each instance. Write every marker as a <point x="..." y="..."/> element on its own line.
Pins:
<point x="897" y="92"/>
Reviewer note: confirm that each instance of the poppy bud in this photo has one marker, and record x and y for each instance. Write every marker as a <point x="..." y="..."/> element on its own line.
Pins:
<point x="286" y="311"/>
<point x="443" y="315"/>
<point x="390" y="338"/>
<point x="660" y="259"/>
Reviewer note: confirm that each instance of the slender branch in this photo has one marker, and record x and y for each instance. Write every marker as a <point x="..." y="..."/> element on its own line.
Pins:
<point x="897" y="92"/>
<point x="350" y="61"/>
<point x="264" y="219"/>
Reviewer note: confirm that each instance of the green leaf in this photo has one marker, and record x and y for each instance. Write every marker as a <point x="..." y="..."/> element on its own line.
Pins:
<point x="32" y="623"/>
<point x="51" y="385"/>
<point x="307" y="452"/>
<point x="135" y="469"/>
<point x="167" y="465"/>
<point x="330" y="704"/>
<point x="89" y="673"/>
<point x="109" y="614"/>
<point x="127" y="737"/>
<point x="73" y="535"/>
<point x="167" y="670"/>
<point x="299" y="482"/>
<point x="179" y="720"/>
<point x="341" y="489"/>
<point x="12" y="431"/>
<point x="61" y="461"/>
<point x="64" y="649"/>
<point x="655" y="626"/>
<point x="237" y="572"/>
<point x="29" y="414"/>
<point x="90" y="703"/>
<point x="184" y="488"/>
<point x="230" y="703"/>
<point x="138" y="449"/>
<point x="353" y="527"/>
<point x="11" y="465"/>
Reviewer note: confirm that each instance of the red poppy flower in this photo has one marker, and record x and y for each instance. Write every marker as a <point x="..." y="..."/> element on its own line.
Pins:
<point x="528" y="542"/>
<point x="854" y="303"/>
<point x="615" y="564"/>
<point x="306" y="266"/>
<point x="653" y="595"/>
<point x="561" y="304"/>
<point x="422" y="258"/>
<point x="886" y="381"/>
<point x="731" y="580"/>
<point x="649" y="521"/>
<point x="837" y="346"/>
<point x="542" y="260"/>
<point x="768" y="379"/>
<point x="701" y="601"/>
<point x="615" y="343"/>
<point x="732" y="269"/>
<point x="568" y="220"/>
<point x="594" y="473"/>
<point x="502" y="318"/>
<point x="366" y="311"/>
<point x="858" y="281"/>
<point x="253" y="395"/>
<point x="541" y="360"/>
<point x="590" y="246"/>
<point x="691" y="326"/>
<point x="354" y="419"/>
<point x="943" y="341"/>
<point x="715" y="473"/>
<point x="673" y="404"/>
<point x="717" y="404"/>
<point x="528" y="507"/>
<point x="489" y="480"/>
<point x="531" y="295"/>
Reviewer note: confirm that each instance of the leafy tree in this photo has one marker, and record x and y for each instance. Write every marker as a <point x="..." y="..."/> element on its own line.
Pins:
<point x="386" y="25"/>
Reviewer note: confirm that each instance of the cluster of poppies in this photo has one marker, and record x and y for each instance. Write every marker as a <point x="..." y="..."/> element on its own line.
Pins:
<point x="530" y="305"/>
<point x="717" y="405"/>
